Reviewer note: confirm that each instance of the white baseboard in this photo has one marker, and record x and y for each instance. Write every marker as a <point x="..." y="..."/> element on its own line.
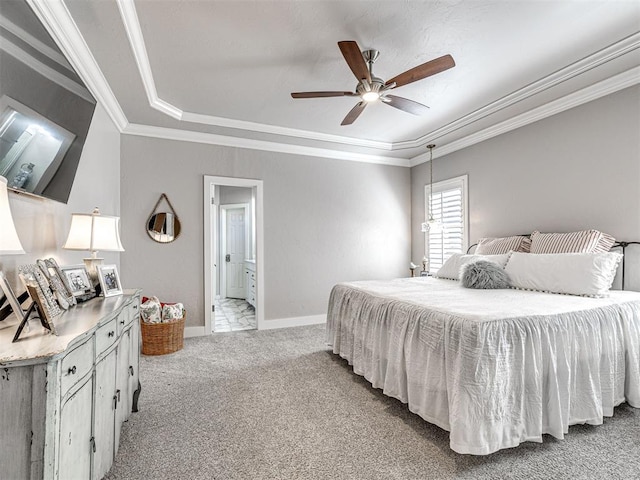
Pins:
<point x="293" y="322"/>
<point x="268" y="324"/>
<point x="193" y="332"/>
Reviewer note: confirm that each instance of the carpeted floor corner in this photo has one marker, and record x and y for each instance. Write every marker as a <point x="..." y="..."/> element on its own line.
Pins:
<point x="277" y="404"/>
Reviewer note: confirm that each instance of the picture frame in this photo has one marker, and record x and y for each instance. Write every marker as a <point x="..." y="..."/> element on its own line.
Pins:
<point x="51" y="271"/>
<point x="109" y="280"/>
<point x="77" y="279"/>
<point x="13" y="301"/>
<point x="40" y="292"/>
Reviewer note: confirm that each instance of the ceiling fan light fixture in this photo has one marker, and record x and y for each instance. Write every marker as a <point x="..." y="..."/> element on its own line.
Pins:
<point x="370" y="96"/>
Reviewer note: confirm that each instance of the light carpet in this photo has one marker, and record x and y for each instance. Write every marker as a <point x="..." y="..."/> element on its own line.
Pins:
<point x="277" y="404"/>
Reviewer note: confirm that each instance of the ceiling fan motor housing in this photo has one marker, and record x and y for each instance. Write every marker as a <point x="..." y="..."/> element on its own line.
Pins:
<point x="376" y="85"/>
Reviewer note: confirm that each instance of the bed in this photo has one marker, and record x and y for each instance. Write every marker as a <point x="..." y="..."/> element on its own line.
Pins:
<point x="495" y="368"/>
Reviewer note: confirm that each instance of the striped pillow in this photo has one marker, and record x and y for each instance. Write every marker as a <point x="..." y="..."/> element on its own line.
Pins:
<point x="585" y="241"/>
<point x="499" y="246"/>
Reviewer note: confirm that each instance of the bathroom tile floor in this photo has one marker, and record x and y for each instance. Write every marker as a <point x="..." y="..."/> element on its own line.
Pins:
<point x="233" y="315"/>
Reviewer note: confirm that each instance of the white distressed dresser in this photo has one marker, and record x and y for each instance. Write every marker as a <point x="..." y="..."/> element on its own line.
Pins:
<point x="63" y="398"/>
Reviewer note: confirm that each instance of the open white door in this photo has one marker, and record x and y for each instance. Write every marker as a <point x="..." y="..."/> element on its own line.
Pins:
<point x="233" y="248"/>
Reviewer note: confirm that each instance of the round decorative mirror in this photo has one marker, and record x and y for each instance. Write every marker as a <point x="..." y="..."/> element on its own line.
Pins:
<point x="163" y="227"/>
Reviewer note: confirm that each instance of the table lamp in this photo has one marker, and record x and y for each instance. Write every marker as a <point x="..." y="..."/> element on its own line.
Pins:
<point x="93" y="232"/>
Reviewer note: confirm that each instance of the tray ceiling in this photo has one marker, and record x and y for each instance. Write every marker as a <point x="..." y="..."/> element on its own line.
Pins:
<point x="222" y="71"/>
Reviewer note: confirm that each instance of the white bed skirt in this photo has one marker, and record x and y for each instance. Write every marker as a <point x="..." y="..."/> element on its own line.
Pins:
<point x="493" y="381"/>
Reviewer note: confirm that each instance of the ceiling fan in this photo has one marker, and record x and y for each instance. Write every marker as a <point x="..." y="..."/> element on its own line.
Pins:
<point x="372" y="89"/>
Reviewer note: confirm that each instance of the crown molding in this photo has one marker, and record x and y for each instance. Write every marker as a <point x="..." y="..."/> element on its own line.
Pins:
<point x="136" y="41"/>
<point x="284" y="131"/>
<point x="56" y="18"/>
<point x="239" y="142"/>
<point x="606" y="87"/>
<point x="590" y="62"/>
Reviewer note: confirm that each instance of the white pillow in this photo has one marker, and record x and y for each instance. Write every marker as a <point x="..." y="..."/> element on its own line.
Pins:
<point x="453" y="265"/>
<point x="587" y="274"/>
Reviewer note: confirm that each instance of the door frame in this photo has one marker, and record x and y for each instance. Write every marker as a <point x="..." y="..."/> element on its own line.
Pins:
<point x="210" y="244"/>
<point x="223" y="240"/>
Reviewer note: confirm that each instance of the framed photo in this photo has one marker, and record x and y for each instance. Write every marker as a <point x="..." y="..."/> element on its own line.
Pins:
<point x="11" y="297"/>
<point x="51" y="271"/>
<point x="109" y="280"/>
<point x="40" y="292"/>
<point x="77" y="279"/>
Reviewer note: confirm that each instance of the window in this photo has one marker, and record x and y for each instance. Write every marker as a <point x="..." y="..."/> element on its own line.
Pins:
<point x="448" y="204"/>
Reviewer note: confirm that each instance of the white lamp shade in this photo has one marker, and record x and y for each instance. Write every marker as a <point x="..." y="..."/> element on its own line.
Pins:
<point x="9" y="241"/>
<point x="94" y="232"/>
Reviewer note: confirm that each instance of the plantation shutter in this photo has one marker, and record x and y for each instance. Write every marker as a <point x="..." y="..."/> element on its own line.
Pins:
<point x="447" y="204"/>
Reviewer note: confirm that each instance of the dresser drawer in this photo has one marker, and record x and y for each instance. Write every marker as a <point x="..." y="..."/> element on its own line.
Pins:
<point x="75" y="365"/>
<point x="134" y="310"/>
<point x="123" y="319"/>
<point x="106" y="335"/>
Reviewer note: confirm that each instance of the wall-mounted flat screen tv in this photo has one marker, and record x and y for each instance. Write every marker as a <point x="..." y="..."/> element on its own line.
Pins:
<point x="45" y="107"/>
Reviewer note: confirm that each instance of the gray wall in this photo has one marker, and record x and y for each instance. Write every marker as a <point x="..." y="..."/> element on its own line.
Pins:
<point x="325" y="221"/>
<point x="43" y="225"/>
<point x="576" y="170"/>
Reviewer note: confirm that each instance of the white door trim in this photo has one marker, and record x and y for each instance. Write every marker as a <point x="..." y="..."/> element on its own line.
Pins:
<point x="210" y="214"/>
<point x="223" y="239"/>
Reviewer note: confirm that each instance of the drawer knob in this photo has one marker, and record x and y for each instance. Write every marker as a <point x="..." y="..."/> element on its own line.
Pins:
<point x="131" y="370"/>
<point x="121" y="322"/>
<point x="111" y="333"/>
<point x="72" y="371"/>
<point x="135" y="307"/>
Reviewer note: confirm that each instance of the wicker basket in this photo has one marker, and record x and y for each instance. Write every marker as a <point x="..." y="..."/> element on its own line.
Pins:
<point x="162" y="338"/>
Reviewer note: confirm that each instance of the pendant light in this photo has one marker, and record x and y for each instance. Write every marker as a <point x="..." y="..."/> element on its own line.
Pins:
<point x="431" y="223"/>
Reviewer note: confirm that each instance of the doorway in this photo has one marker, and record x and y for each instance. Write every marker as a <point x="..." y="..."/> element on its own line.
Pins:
<point x="233" y="254"/>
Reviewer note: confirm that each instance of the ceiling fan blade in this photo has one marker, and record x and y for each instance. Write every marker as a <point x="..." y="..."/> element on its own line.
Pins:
<point x="322" y="94"/>
<point x="423" y="71"/>
<point x="352" y="54"/>
<point x="354" y="113"/>
<point x="406" y="105"/>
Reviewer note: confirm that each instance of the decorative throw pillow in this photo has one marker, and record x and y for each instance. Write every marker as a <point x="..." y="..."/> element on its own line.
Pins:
<point x="451" y="268"/>
<point x="497" y="246"/>
<point x="585" y="274"/>
<point x="172" y="311"/>
<point x="585" y="241"/>
<point x="484" y="274"/>
<point x="150" y="310"/>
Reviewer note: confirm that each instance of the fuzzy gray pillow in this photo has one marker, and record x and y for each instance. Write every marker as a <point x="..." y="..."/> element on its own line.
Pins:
<point x="484" y="274"/>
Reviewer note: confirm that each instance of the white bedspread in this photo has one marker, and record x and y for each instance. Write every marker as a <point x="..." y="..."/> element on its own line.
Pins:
<point x="493" y="367"/>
